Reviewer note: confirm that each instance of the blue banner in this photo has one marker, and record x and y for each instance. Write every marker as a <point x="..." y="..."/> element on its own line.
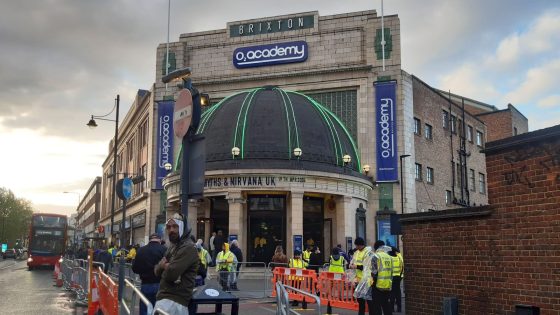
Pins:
<point x="386" y="131"/>
<point x="164" y="136"/>
<point x="272" y="54"/>
<point x="298" y="243"/>
<point x="384" y="232"/>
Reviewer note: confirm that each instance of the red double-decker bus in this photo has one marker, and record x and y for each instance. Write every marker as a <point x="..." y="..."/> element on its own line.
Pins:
<point x="47" y="239"/>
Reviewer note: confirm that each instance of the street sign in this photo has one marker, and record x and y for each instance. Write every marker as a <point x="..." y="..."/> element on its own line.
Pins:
<point x="127" y="188"/>
<point x="183" y="113"/>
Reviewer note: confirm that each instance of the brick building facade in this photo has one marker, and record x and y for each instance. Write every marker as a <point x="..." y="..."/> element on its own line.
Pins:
<point x="495" y="257"/>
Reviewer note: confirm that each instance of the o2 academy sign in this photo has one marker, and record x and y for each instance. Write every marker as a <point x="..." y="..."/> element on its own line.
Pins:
<point x="272" y="26"/>
<point x="272" y="54"/>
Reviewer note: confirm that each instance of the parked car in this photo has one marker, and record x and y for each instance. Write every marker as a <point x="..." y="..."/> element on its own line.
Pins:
<point x="9" y="253"/>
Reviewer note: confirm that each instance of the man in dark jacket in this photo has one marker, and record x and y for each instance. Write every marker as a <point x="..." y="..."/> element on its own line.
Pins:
<point x="147" y="258"/>
<point x="177" y="268"/>
<point x="315" y="260"/>
<point x="104" y="257"/>
<point x="239" y="255"/>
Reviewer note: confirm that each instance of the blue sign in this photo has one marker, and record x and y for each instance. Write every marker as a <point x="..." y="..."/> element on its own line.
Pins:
<point x="273" y="54"/>
<point x="232" y="237"/>
<point x="384" y="232"/>
<point x="386" y="131"/>
<point x="298" y="243"/>
<point x="164" y="140"/>
<point x="127" y="188"/>
<point x="4" y="247"/>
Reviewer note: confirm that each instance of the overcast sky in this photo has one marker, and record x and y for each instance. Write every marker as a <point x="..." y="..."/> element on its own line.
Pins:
<point x="61" y="61"/>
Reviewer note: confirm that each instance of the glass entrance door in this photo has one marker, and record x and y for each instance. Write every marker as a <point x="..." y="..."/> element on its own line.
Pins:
<point x="267" y="226"/>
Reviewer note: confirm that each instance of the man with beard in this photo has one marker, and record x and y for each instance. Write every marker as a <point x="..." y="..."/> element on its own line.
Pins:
<point x="177" y="268"/>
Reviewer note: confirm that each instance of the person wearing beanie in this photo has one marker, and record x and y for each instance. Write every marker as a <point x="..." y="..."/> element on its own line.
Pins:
<point x="177" y="268"/>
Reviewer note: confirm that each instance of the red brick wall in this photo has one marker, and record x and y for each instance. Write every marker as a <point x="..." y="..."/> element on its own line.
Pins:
<point x="498" y="125"/>
<point x="493" y="262"/>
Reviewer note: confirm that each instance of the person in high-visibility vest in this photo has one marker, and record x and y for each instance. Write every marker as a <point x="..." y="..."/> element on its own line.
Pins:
<point x="205" y="260"/>
<point x="296" y="263"/>
<point x="382" y="273"/>
<point x="398" y="268"/>
<point x="225" y="265"/>
<point x="357" y="263"/>
<point x="337" y="262"/>
<point x="307" y="254"/>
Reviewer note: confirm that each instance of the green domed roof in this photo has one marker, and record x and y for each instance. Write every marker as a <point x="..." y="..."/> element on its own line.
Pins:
<point x="267" y="124"/>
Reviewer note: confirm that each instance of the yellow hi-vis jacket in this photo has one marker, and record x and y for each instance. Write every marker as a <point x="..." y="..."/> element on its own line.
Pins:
<point x="306" y="256"/>
<point x="224" y="261"/>
<point x="402" y="264"/>
<point x="297" y="263"/>
<point x="336" y="265"/>
<point x="359" y="256"/>
<point x="202" y="256"/>
<point x="397" y="266"/>
<point x="384" y="271"/>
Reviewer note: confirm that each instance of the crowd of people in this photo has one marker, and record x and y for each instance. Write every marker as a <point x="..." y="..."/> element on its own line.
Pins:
<point x="169" y="274"/>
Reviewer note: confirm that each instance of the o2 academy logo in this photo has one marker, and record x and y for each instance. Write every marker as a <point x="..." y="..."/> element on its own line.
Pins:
<point x="273" y="54"/>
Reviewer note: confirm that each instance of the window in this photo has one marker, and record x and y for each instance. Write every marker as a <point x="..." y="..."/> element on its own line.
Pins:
<point x="470" y="134"/>
<point x="448" y="197"/>
<point x="428" y="132"/>
<point x="430" y="175"/>
<point x="143" y="134"/>
<point x="453" y="124"/>
<point x="344" y="104"/>
<point x="472" y="180"/>
<point x="445" y="119"/>
<point x="418" y="172"/>
<point x="479" y="138"/>
<point x="482" y="183"/>
<point x="515" y="131"/>
<point x="417" y="126"/>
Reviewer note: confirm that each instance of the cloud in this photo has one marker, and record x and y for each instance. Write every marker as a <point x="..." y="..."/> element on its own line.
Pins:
<point x="551" y="101"/>
<point x="31" y="164"/>
<point x="522" y="70"/>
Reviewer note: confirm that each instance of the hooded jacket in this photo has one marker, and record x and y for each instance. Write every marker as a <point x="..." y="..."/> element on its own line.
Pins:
<point x="177" y="280"/>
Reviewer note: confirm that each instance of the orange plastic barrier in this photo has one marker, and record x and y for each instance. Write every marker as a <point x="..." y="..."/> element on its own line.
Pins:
<point x="334" y="288"/>
<point x="108" y="294"/>
<point x="302" y="279"/>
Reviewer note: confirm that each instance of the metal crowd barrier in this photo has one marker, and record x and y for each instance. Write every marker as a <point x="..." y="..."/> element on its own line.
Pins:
<point x="248" y="283"/>
<point x="135" y="292"/>
<point x="283" y="301"/>
<point x="158" y="310"/>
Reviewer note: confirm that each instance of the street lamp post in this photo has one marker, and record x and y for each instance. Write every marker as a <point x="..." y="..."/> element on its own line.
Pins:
<point x="77" y="223"/>
<point x="402" y="183"/>
<point x="93" y="124"/>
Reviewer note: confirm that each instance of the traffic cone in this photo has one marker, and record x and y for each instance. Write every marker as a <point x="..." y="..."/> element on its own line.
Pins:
<point x="56" y="270"/>
<point x="93" y="306"/>
<point x="59" y="279"/>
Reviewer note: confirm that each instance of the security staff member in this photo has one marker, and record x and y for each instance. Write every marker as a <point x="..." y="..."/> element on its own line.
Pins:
<point x="382" y="273"/>
<point x="307" y="254"/>
<point x="358" y="263"/>
<point x="337" y="262"/>
<point x="296" y="263"/>
<point x="398" y="269"/>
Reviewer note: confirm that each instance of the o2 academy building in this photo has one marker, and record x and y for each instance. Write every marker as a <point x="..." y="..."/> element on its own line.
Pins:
<point x="306" y="132"/>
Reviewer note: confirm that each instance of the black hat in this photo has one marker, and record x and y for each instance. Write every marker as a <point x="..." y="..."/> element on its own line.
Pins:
<point x="378" y="244"/>
<point x="359" y="241"/>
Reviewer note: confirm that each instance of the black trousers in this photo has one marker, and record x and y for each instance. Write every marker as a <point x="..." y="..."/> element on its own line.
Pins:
<point x="381" y="302"/>
<point x="362" y="307"/>
<point x="396" y="293"/>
